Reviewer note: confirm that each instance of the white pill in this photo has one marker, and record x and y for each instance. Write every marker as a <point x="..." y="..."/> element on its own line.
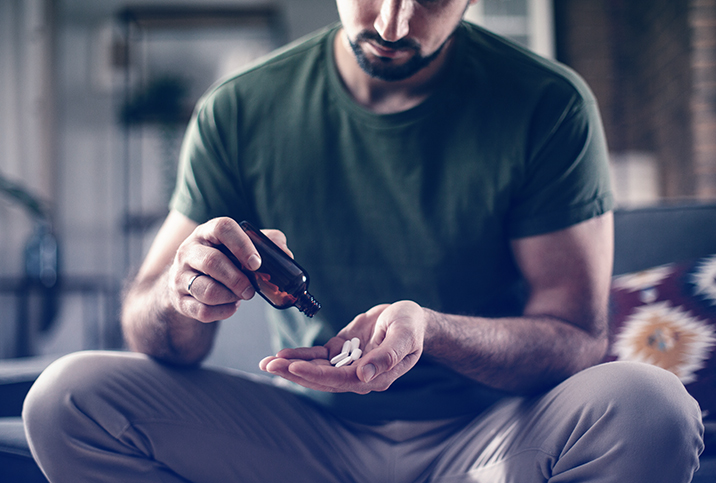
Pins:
<point x="355" y="343"/>
<point x="355" y="355"/>
<point x="340" y="357"/>
<point x="346" y="347"/>
<point x="344" y="362"/>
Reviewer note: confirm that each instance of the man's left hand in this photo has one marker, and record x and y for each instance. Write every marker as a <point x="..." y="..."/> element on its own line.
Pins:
<point x="391" y="340"/>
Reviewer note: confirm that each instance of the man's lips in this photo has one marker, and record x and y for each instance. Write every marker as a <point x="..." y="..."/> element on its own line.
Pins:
<point x="388" y="52"/>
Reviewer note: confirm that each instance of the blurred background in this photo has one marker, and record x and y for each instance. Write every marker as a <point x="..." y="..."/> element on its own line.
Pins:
<point x="95" y="95"/>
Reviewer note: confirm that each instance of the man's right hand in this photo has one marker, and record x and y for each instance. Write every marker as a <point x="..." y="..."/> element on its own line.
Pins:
<point x="217" y="284"/>
<point x="161" y="316"/>
<point x="205" y="284"/>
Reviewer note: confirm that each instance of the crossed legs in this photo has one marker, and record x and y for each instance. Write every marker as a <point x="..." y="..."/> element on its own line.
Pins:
<point x="99" y="416"/>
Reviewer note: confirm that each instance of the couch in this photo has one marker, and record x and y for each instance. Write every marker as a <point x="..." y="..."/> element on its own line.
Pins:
<point x="644" y="238"/>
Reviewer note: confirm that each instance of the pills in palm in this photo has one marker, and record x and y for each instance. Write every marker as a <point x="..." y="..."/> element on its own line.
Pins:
<point x="340" y="357"/>
<point x="344" y="362"/>
<point x="350" y="352"/>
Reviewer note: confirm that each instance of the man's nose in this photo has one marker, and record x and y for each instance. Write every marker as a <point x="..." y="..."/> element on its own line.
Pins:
<point x="393" y="22"/>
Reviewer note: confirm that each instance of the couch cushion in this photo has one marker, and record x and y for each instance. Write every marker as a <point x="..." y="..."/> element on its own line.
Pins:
<point x="13" y="437"/>
<point x="16" y="378"/>
<point x="16" y="463"/>
<point x="666" y="316"/>
<point x="654" y="235"/>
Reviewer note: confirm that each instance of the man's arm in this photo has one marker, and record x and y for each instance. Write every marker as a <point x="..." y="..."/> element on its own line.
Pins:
<point x="563" y="328"/>
<point x="160" y="317"/>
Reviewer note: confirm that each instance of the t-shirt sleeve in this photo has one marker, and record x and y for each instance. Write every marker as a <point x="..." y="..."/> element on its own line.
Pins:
<point x="566" y="178"/>
<point x="208" y="182"/>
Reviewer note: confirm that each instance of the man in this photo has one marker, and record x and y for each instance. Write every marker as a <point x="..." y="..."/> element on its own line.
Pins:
<point x="448" y="193"/>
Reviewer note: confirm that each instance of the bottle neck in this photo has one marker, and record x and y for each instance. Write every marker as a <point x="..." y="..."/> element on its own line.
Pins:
<point x="307" y="304"/>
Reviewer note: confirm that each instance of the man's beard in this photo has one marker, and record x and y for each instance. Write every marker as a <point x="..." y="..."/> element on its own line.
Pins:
<point x="383" y="68"/>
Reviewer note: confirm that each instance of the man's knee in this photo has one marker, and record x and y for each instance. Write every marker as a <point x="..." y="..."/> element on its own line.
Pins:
<point x="624" y="421"/>
<point x="647" y="404"/>
<point x="69" y="385"/>
<point x="637" y="386"/>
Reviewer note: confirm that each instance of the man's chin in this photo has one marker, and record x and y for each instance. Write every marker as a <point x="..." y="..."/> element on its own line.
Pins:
<point x="389" y="69"/>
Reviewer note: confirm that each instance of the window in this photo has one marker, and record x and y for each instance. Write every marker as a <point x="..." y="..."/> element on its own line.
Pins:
<point x="527" y="22"/>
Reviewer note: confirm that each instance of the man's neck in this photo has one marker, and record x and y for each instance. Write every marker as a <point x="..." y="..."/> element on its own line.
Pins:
<point x="386" y="97"/>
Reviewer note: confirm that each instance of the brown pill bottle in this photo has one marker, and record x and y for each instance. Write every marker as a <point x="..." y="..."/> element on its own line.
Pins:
<point x="279" y="280"/>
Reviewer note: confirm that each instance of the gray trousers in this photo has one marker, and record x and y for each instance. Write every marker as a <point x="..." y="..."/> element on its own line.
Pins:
<point x="104" y="417"/>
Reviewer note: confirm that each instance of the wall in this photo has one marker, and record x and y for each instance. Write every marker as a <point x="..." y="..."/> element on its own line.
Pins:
<point x="59" y="136"/>
<point x="26" y="136"/>
<point x="702" y="22"/>
<point x="652" y="67"/>
<point x="661" y="74"/>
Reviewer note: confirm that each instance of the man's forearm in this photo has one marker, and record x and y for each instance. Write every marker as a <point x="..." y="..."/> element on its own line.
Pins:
<point x="152" y="326"/>
<point x="522" y="354"/>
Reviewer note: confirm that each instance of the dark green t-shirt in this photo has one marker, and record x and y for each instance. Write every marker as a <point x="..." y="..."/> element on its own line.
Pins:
<point x="417" y="205"/>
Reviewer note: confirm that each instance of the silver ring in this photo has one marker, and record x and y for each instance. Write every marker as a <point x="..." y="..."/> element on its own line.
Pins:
<point x="191" y="282"/>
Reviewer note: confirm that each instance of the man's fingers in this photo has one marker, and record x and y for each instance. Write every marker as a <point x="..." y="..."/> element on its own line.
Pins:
<point x="320" y="375"/>
<point x="226" y="231"/>
<point x="325" y="377"/>
<point x="397" y="349"/>
<point x="278" y="237"/>
<point x="218" y="274"/>
<point x="305" y="353"/>
<point x="305" y="373"/>
<point x="191" y="307"/>
<point x="208" y="291"/>
<point x="207" y="300"/>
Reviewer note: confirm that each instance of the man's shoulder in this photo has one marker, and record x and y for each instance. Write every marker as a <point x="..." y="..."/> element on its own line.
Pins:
<point x="303" y="52"/>
<point x="506" y="61"/>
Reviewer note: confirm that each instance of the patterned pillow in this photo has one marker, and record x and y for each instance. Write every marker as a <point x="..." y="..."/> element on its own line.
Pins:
<point x="666" y="316"/>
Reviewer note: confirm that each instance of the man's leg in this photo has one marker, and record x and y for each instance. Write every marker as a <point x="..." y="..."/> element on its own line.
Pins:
<point x="99" y="416"/>
<point x="612" y="423"/>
